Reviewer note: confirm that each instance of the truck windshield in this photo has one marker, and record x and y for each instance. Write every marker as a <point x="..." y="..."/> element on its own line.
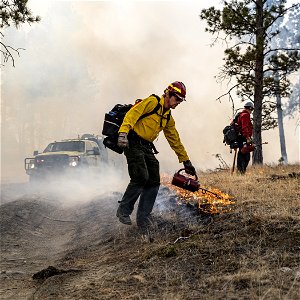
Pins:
<point x="65" y="146"/>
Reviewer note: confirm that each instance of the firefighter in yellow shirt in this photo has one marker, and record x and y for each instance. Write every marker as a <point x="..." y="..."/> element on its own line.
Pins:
<point x="136" y="137"/>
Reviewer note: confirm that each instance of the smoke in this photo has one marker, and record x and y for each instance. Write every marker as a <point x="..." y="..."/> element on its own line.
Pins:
<point x="88" y="184"/>
<point x="86" y="56"/>
<point x="79" y="187"/>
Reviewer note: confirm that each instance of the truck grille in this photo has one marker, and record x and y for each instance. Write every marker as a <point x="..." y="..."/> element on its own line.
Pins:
<point x="58" y="161"/>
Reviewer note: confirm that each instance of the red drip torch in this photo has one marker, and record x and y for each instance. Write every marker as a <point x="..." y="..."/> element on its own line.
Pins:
<point x="186" y="182"/>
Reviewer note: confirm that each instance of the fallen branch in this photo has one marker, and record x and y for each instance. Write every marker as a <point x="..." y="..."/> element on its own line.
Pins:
<point x="52" y="271"/>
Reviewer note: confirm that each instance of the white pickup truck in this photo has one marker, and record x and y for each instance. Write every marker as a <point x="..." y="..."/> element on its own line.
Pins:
<point x="66" y="156"/>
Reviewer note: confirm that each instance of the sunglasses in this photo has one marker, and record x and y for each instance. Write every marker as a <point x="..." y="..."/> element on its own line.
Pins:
<point x="177" y="98"/>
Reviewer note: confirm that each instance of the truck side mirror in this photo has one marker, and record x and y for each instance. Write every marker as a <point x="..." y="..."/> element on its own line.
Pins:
<point x="35" y="152"/>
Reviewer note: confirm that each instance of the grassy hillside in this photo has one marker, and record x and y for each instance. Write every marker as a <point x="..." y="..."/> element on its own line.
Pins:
<point x="248" y="252"/>
<point x="247" y="247"/>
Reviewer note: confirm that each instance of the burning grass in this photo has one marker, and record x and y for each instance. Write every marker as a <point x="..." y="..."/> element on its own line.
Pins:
<point x="206" y="200"/>
<point x="249" y="250"/>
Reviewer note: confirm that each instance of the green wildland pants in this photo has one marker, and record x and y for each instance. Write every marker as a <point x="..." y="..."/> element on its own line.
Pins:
<point x="143" y="169"/>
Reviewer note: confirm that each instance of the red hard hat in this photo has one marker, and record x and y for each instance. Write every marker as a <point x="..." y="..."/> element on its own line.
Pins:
<point x="178" y="88"/>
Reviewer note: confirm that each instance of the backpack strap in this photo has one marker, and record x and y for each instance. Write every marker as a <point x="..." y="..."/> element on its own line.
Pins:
<point x="155" y="110"/>
<point x="235" y="124"/>
<point x="168" y="118"/>
<point x="169" y="114"/>
<point x="235" y="120"/>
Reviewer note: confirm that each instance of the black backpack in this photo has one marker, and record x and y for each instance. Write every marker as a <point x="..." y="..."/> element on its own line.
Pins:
<point x="231" y="133"/>
<point x="114" y="119"/>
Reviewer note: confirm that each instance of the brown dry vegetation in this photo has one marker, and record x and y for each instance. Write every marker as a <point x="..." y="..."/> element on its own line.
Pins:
<point x="250" y="252"/>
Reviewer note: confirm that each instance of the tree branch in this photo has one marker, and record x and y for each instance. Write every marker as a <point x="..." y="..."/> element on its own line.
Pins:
<point x="281" y="49"/>
<point x="7" y="53"/>
<point x="280" y="15"/>
<point x="242" y="43"/>
<point x="228" y="93"/>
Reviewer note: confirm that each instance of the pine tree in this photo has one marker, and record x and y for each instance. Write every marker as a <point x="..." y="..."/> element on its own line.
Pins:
<point x="249" y="27"/>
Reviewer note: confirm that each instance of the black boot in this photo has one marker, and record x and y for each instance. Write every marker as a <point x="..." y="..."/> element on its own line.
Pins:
<point x="124" y="219"/>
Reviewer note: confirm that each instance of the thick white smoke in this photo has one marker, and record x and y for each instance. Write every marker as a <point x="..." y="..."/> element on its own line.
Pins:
<point x="86" y="56"/>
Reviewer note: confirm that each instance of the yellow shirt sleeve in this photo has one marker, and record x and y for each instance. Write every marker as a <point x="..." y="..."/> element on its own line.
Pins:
<point x="174" y="141"/>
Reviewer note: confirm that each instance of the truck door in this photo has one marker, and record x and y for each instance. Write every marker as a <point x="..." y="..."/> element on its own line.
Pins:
<point x="93" y="154"/>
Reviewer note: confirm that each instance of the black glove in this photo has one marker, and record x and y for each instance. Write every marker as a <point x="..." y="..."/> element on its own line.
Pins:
<point x="189" y="168"/>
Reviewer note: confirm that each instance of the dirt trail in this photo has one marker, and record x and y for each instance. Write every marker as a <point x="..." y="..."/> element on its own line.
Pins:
<point x="38" y="231"/>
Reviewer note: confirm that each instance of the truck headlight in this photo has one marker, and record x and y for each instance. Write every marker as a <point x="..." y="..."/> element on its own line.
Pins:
<point x="31" y="164"/>
<point x="73" y="161"/>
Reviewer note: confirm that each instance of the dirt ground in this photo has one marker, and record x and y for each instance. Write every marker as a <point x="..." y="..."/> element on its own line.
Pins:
<point x="39" y="230"/>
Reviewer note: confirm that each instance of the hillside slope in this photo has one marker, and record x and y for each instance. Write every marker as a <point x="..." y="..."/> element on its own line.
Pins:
<point x="250" y="250"/>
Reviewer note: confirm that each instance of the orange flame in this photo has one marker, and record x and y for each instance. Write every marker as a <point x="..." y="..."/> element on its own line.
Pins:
<point x="209" y="203"/>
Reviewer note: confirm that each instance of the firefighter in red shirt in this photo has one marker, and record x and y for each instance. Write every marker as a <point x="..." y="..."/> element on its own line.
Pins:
<point x="245" y="137"/>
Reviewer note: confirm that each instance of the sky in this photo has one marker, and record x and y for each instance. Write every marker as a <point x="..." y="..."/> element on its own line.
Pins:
<point x="86" y="56"/>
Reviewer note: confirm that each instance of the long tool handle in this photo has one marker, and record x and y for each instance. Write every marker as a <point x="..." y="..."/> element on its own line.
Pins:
<point x="204" y="191"/>
<point x="234" y="159"/>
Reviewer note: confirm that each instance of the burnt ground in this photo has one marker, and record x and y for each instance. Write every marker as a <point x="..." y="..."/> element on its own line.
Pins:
<point x="57" y="249"/>
<point x="39" y="230"/>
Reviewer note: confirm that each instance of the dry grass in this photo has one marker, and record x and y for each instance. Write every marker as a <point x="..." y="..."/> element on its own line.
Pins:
<point x="250" y="252"/>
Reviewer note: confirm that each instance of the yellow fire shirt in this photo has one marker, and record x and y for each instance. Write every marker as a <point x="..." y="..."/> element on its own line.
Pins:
<point x="150" y="127"/>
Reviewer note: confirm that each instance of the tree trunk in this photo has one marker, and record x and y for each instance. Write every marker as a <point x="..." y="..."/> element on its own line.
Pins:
<point x="280" y="125"/>
<point x="258" y="89"/>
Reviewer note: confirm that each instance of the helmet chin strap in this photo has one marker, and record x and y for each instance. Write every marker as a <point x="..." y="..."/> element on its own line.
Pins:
<point x="167" y="102"/>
